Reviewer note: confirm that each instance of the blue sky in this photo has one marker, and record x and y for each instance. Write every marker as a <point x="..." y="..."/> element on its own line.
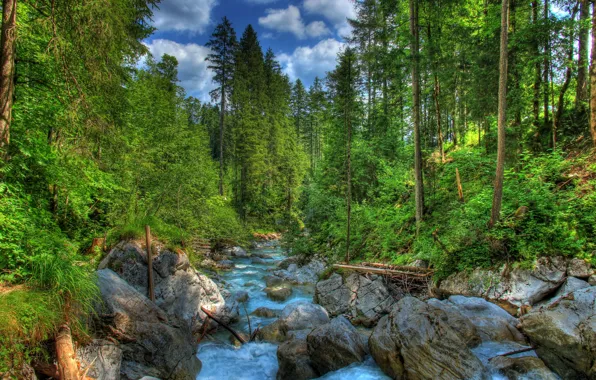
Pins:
<point x="305" y="35"/>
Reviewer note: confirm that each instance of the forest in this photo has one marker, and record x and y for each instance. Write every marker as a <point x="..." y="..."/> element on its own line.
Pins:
<point x="457" y="132"/>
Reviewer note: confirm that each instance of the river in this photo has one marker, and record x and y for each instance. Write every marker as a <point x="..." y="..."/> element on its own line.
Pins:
<point x="258" y="361"/>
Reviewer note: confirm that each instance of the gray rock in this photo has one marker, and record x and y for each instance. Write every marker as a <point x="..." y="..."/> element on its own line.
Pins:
<point x="579" y="268"/>
<point x="237" y="252"/>
<point x="296" y="316"/>
<point x="103" y="356"/>
<point x="307" y="274"/>
<point x="423" y="345"/>
<point x="335" y="345"/>
<point x="459" y="322"/>
<point x="151" y="344"/>
<point x="257" y="260"/>
<point x="285" y="263"/>
<point x="420" y="263"/>
<point x="569" y="286"/>
<point x="592" y="280"/>
<point x="241" y="296"/>
<point x="225" y="264"/>
<point x="565" y="334"/>
<point x="512" y="289"/>
<point x="294" y="361"/>
<point x="278" y="293"/>
<point x="492" y="322"/>
<point x="167" y="263"/>
<point x="527" y="367"/>
<point x="272" y="280"/>
<point x="129" y="261"/>
<point x="363" y="299"/>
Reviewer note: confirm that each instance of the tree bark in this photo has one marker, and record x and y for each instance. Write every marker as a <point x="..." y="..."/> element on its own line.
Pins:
<point x="537" y="77"/>
<point x="7" y="68"/>
<point x="65" y="355"/>
<point x="419" y="187"/>
<point x="593" y="78"/>
<point x="582" y="63"/>
<point x="502" y="117"/>
<point x="436" y="94"/>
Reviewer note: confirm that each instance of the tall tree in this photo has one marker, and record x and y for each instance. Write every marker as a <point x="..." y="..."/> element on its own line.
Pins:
<point x="582" y="64"/>
<point x="223" y="44"/>
<point x="502" y="116"/>
<point x="7" y="68"/>
<point x="593" y="78"/>
<point x="299" y="104"/>
<point x="415" y="51"/>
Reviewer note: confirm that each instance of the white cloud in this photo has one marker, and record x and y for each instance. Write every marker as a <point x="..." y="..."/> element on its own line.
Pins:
<point x="336" y="11"/>
<point x="184" y="15"/>
<point x="289" y="20"/>
<point x="193" y="73"/>
<point x="307" y="62"/>
<point x="260" y="1"/>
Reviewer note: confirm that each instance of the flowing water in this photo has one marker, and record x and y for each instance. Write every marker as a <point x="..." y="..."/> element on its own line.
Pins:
<point x="258" y="361"/>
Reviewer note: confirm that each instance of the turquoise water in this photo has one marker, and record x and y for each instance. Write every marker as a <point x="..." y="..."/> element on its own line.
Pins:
<point x="258" y="361"/>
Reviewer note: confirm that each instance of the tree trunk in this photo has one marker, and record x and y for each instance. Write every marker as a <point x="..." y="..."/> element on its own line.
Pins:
<point x="348" y="125"/>
<point x="221" y="139"/>
<point x="582" y="63"/>
<point x="537" y="77"/>
<point x="419" y="190"/>
<point x="436" y="94"/>
<point x="7" y="68"/>
<point x="546" y="65"/>
<point x="502" y="117"/>
<point x="65" y="355"/>
<point x="593" y="78"/>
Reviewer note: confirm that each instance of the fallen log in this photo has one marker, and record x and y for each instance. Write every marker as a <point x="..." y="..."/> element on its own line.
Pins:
<point x="404" y="268"/>
<point x="527" y="349"/>
<point x="383" y="271"/>
<point x="236" y="335"/>
<point x="65" y="355"/>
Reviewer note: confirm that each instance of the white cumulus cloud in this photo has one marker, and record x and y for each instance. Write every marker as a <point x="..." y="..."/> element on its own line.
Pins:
<point x="289" y="20"/>
<point x="184" y="15"/>
<point x="336" y="11"/>
<point x="307" y="62"/>
<point x="193" y="73"/>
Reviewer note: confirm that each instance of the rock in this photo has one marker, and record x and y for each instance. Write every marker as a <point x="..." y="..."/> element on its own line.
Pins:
<point x="569" y="286"/>
<point x="104" y="357"/>
<point x="278" y="293"/>
<point x="527" y="367"/>
<point x="415" y="339"/>
<point x="167" y="263"/>
<point x="285" y="263"/>
<point x="492" y="322"/>
<point x="294" y="361"/>
<point x="296" y="316"/>
<point x="151" y="344"/>
<point x="261" y="255"/>
<point x="237" y="252"/>
<point x="363" y="299"/>
<point x="513" y="289"/>
<point x="208" y="264"/>
<point x="459" y="322"/>
<point x="257" y="260"/>
<point x="241" y="296"/>
<point x="128" y="260"/>
<point x="225" y="265"/>
<point x="420" y="263"/>
<point x="265" y="312"/>
<point x="565" y="334"/>
<point x="335" y="345"/>
<point x="579" y="268"/>
<point x="271" y="281"/>
<point x="592" y="280"/>
<point x="307" y="274"/>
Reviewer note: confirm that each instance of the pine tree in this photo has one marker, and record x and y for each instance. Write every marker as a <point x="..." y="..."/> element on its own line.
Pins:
<point x="223" y="44"/>
<point x="415" y="41"/>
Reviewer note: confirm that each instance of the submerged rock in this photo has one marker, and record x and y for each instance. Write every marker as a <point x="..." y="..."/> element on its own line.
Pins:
<point x="414" y="342"/>
<point x="151" y="343"/>
<point x="335" y="345"/>
<point x="265" y="312"/>
<point x="364" y="300"/>
<point x="296" y="316"/>
<point x="272" y="280"/>
<point x="279" y="293"/>
<point x="565" y="334"/>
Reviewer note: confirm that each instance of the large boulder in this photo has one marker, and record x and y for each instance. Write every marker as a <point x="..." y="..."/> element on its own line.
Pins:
<point x="564" y="334"/>
<point x="527" y="367"/>
<point x="180" y="290"/>
<point x="491" y="322"/>
<point x="279" y="293"/>
<point x="421" y="345"/>
<point x="152" y="343"/>
<point x="307" y="274"/>
<point x="294" y="361"/>
<point x="102" y="357"/>
<point x="511" y="288"/>
<point x="297" y="316"/>
<point x="364" y="300"/>
<point x="335" y="345"/>
<point x="459" y="322"/>
<point x="579" y="268"/>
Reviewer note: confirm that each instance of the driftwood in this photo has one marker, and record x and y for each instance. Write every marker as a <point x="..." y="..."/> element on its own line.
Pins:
<point x="402" y="268"/>
<point x="527" y="349"/>
<point x="65" y="354"/>
<point x="236" y="335"/>
<point x="386" y="271"/>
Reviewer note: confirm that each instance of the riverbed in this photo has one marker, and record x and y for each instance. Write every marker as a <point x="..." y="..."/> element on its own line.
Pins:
<point x="258" y="361"/>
